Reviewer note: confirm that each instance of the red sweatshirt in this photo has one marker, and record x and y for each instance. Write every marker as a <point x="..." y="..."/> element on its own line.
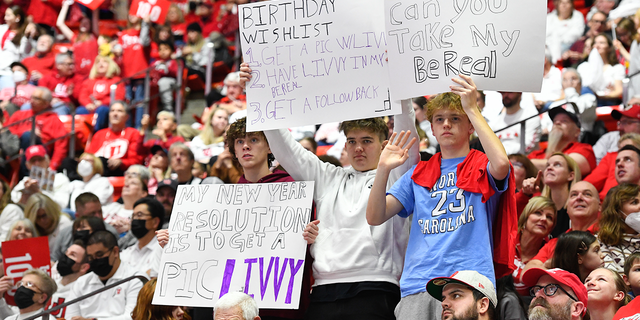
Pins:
<point x="603" y="177"/>
<point x="45" y="64"/>
<point x="123" y="145"/>
<point x="66" y="89"/>
<point x="135" y="57"/>
<point x="99" y="88"/>
<point x="45" y="12"/>
<point x="50" y="128"/>
<point x="84" y="53"/>
<point x="163" y="69"/>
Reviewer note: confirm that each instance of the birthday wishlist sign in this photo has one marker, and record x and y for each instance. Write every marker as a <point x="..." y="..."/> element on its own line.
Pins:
<point x="236" y="237"/>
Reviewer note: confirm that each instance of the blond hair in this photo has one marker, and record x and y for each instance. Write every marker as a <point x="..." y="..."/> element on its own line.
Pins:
<point x="112" y="71"/>
<point x="572" y="166"/>
<point x="39" y="201"/>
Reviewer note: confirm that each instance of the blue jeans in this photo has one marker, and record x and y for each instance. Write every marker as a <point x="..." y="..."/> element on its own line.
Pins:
<point x="135" y="96"/>
<point x="103" y="116"/>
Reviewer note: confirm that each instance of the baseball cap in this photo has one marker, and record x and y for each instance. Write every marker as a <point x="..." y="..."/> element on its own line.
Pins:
<point x="156" y="148"/>
<point x="35" y="151"/>
<point x="469" y="278"/>
<point x="570" y="109"/>
<point x="173" y="184"/>
<point x="530" y="278"/>
<point x="632" y="112"/>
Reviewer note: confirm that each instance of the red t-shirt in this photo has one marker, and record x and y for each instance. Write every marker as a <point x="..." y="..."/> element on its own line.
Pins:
<point x="18" y="97"/>
<point x="574" y="147"/>
<point x="629" y="312"/>
<point x="99" y="88"/>
<point x="135" y="57"/>
<point x="547" y="251"/>
<point x="603" y="177"/>
<point x="123" y="145"/>
<point x="84" y="54"/>
<point x="44" y="64"/>
<point x="45" y="12"/>
<point x="66" y="89"/>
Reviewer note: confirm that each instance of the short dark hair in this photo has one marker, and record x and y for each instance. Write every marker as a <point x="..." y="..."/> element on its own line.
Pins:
<point x="95" y="223"/>
<point x="568" y="247"/>
<point x="155" y="208"/>
<point x="85" y="198"/>
<point x="313" y="142"/>
<point x="629" y="261"/>
<point x="420" y="102"/>
<point x="376" y="126"/>
<point x="237" y="130"/>
<point x="631" y="148"/>
<point x="167" y="43"/>
<point x="477" y="295"/>
<point x="106" y="238"/>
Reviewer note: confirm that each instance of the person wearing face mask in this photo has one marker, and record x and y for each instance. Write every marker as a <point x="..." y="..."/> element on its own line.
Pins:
<point x="620" y="225"/>
<point x="34" y="290"/>
<point x="14" y="97"/>
<point x="90" y="169"/>
<point x="144" y="255"/>
<point x="104" y="258"/>
<point x="66" y="271"/>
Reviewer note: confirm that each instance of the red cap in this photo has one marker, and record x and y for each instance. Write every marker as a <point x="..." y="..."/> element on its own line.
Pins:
<point x="530" y="278"/>
<point x="633" y="112"/>
<point x="35" y="151"/>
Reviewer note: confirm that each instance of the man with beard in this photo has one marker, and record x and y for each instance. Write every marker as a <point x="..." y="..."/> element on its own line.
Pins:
<point x="466" y="295"/>
<point x="71" y="266"/>
<point x="557" y="294"/>
<point x="166" y="194"/>
<point x="513" y="113"/>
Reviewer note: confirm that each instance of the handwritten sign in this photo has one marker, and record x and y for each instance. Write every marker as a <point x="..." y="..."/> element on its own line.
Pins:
<point x="19" y="256"/>
<point x="242" y="237"/>
<point x="499" y="43"/>
<point x="91" y="4"/>
<point x="315" y="62"/>
<point x="156" y="9"/>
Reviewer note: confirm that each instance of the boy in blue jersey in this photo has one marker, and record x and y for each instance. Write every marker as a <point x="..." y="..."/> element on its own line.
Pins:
<point x="454" y="198"/>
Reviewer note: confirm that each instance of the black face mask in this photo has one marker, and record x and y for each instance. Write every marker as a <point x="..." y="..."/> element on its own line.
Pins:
<point x="101" y="267"/>
<point x="24" y="297"/>
<point x="65" y="266"/>
<point x="82" y="235"/>
<point x="139" y="228"/>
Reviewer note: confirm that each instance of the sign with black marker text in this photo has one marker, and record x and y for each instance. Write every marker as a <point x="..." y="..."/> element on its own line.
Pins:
<point x="236" y="237"/>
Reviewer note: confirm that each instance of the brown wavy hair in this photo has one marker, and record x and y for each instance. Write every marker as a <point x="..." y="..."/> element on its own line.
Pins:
<point x="144" y="310"/>
<point x="611" y="223"/>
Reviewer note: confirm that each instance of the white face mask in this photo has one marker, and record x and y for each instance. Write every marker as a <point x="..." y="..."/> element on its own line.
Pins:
<point x="633" y="221"/>
<point x="19" y="76"/>
<point x="85" y="168"/>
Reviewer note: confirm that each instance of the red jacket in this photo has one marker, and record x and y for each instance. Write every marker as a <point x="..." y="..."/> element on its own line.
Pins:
<point x="473" y="177"/>
<point x="135" y="57"/>
<point x="123" y="145"/>
<point x="50" y="128"/>
<point x="99" y="88"/>
<point x="574" y="147"/>
<point x="66" y="89"/>
<point x="44" y="64"/>
<point x="45" y="12"/>
<point x="84" y="54"/>
<point x="603" y="177"/>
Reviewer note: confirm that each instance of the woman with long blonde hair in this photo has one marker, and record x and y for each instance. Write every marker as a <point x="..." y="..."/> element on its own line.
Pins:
<point x="210" y="142"/>
<point x="46" y="216"/>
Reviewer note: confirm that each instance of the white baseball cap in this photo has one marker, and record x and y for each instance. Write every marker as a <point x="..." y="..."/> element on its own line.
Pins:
<point x="470" y="278"/>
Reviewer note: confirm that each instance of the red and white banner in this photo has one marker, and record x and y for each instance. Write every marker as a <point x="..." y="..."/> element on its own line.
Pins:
<point x="155" y="9"/>
<point x="19" y="256"/>
<point x="91" y="4"/>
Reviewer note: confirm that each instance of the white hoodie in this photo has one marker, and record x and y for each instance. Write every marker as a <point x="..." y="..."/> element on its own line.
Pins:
<point x="347" y="248"/>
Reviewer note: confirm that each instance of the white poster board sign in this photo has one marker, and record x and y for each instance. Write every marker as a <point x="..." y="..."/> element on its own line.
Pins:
<point x="499" y="43"/>
<point x="315" y="62"/>
<point x="236" y="237"/>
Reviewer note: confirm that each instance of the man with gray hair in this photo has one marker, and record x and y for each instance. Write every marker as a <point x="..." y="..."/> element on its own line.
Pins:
<point x="236" y="306"/>
<point x="65" y="83"/>
<point x="182" y="159"/>
<point x="49" y="127"/>
<point x="42" y="63"/>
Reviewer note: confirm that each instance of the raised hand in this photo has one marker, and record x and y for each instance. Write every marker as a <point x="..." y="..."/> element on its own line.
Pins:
<point x="467" y="91"/>
<point x="245" y="74"/>
<point x="532" y="185"/>
<point x="396" y="152"/>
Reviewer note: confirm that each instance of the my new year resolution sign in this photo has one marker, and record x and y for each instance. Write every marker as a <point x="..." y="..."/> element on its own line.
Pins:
<point x="236" y="237"/>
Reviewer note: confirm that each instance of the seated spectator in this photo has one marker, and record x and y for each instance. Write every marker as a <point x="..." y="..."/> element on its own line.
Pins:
<point x="165" y="130"/>
<point x="91" y="170"/>
<point x="135" y="187"/>
<point x="69" y="268"/>
<point x="181" y="159"/>
<point x="513" y="113"/>
<point x="145" y="310"/>
<point x="104" y="258"/>
<point x="42" y="63"/>
<point x="236" y="305"/>
<point x="563" y="138"/>
<point x="158" y="167"/>
<point x="166" y="195"/>
<point x="195" y="52"/>
<point x="175" y="19"/>
<point x="210" y="142"/>
<point x="13" y="98"/>
<point x="46" y="216"/>
<point x="534" y="226"/>
<point x="577" y="252"/>
<point x="605" y="80"/>
<point x="36" y="157"/>
<point x="85" y="43"/>
<point x="144" y="255"/>
<point x="64" y="83"/>
<point x="9" y="212"/>
<point x="164" y="73"/>
<point x="83" y="227"/>
<point x="22" y="229"/>
<point x="49" y="126"/>
<point x="628" y="165"/>
<point x="95" y="94"/>
<point x="34" y="291"/>
<point x="607" y="292"/>
<point x="564" y="26"/>
<point x="579" y="50"/>
<point x="87" y="205"/>
<point x="604" y="177"/>
<point x="625" y="33"/>
<point x="632" y="273"/>
<point x="463" y="294"/>
<point x="572" y="92"/>
<point x="234" y="100"/>
<point x="628" y="122"/>
<point x="557" y="294"/>
<point x="583" y="207"/>
<point x="510" y="306"/>
<point x="17" y="43"/>
<point x="523" y="169"/>
<point x="551" y="84"/>
<point x="117" y="146"/>
<point x="224" y="167"/>
<point x="618" y="239"/>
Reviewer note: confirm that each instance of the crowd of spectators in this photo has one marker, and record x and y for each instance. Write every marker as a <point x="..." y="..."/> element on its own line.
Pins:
<point x="567" y="189"/>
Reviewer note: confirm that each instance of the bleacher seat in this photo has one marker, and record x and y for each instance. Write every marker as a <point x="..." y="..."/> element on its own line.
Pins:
<point x="117" y="183"/>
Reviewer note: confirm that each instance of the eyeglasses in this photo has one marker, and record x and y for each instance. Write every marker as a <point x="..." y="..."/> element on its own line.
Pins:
<point x="29" y="284"/>
<point x="549" y="290"/>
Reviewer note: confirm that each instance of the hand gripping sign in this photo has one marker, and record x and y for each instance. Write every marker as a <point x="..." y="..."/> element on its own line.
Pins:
<point x="19" y="256"/>
<point x="155" y="9"/>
